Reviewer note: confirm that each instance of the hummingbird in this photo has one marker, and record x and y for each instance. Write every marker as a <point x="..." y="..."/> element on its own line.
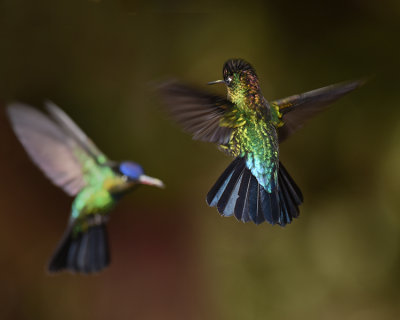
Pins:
<point x="255" y="186"/>
<point x="73" y="162"/>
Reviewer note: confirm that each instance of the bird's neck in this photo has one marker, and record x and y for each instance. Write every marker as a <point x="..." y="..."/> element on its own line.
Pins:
<point x="247" y="94"/>
<point x="118" y="185"/>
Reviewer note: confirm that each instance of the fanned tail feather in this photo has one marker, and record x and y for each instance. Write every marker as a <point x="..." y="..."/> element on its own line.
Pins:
<point x="290" y="194"/>
<point x="85" y="252"/>
<point x="237" y="192"/>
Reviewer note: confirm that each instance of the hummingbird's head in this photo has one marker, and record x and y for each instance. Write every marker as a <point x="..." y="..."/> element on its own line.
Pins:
<point x="239" y="77"/>
<point x="135" y="173"/>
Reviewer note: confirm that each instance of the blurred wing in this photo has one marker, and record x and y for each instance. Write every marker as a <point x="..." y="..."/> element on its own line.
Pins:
<point x="72" y="129"/>
<point x="297" y="109"/>
<point x="50" y="148"/>
<point x="197" y="111"/>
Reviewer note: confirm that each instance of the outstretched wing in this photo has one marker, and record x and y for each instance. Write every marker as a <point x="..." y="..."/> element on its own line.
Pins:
<point x="72" y="129"/>
<point x="51" y="148"/>
<point x="197" y="111"/>
<point x="297" y="109"/>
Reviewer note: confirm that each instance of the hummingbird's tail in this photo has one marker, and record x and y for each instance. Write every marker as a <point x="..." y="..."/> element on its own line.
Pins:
<point x="85" y="252"/>
<point x="237" y="192"/>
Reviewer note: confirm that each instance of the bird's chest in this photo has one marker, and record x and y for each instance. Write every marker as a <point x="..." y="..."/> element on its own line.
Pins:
<point x="92" y="201"/>
<point x="254" y="136"/>
<point x="256" y="140"/>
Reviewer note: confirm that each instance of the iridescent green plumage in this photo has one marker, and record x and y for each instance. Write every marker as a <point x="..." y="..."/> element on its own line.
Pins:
<point x="253" y="133"/>
<point x="73" y="162"/>
<point x="95" y="197"/>
<point x="255" y="186"/>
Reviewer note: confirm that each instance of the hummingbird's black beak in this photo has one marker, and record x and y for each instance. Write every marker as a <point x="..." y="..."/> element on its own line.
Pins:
<point x="215" y="82"/>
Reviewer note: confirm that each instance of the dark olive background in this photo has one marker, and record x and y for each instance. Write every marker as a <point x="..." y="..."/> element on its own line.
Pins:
<point x="173" y="257"/>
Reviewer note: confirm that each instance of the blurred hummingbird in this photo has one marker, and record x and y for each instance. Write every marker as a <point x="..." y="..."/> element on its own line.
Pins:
<point x="73" y="162"/>
<point x="255" y="186"/>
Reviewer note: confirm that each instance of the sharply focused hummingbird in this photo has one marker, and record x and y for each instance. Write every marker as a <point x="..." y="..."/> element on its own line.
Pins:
<point x="255" y="186"/>
<point x="73" y="162"/>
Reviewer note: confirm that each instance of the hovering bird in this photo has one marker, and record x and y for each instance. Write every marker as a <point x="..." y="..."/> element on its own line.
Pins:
<point x="73" y="162"/>
<point x="255" y="186"/>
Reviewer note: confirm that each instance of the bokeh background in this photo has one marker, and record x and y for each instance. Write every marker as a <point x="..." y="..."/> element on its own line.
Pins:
<point x="172" y="256"/>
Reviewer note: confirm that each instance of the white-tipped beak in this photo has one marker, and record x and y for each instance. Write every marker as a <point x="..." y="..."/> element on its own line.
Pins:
<point x="216" y="81"/>
<point x="143" y="179"/>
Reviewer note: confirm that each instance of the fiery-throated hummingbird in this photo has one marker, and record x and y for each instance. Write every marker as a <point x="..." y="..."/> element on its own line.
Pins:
<point x="255" y="186"/>
<point x="73" y="162"/>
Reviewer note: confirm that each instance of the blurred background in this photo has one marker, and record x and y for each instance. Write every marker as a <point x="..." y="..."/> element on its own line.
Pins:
<point x="173" y="257"/>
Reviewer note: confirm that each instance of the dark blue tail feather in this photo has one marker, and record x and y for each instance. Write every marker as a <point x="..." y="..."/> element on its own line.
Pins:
<point x="239" y="208"/>
<point x="237" y="192"/>
<point x="85" y="252"/>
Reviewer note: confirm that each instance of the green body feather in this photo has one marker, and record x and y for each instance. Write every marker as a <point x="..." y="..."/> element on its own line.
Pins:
<point x="254" y="133"/>
<point x="98" y="196"/>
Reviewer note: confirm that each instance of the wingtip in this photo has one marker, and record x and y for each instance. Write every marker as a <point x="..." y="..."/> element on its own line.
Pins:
<point x="346" y="87"/>
<point x="9" y="109"/>
<point x="14" y="105"/>
<point x="362" y="81"/>
<point x="49" y="104"/>
<point x="14" y="108"/>
<point x="165" y="86"/>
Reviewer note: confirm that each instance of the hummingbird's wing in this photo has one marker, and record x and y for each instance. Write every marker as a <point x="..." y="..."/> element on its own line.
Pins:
<point x="75" y="132"/>
<point x="297" y="109"/>
<point x="51" y="148"/>
<point x="199" y="112"/>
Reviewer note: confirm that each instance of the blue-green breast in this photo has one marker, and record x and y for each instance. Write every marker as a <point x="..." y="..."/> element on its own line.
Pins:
<point x="256" y="140"/>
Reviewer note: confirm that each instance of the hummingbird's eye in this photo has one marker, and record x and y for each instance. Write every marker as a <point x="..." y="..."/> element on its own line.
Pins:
<point x="228" y="80"/>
